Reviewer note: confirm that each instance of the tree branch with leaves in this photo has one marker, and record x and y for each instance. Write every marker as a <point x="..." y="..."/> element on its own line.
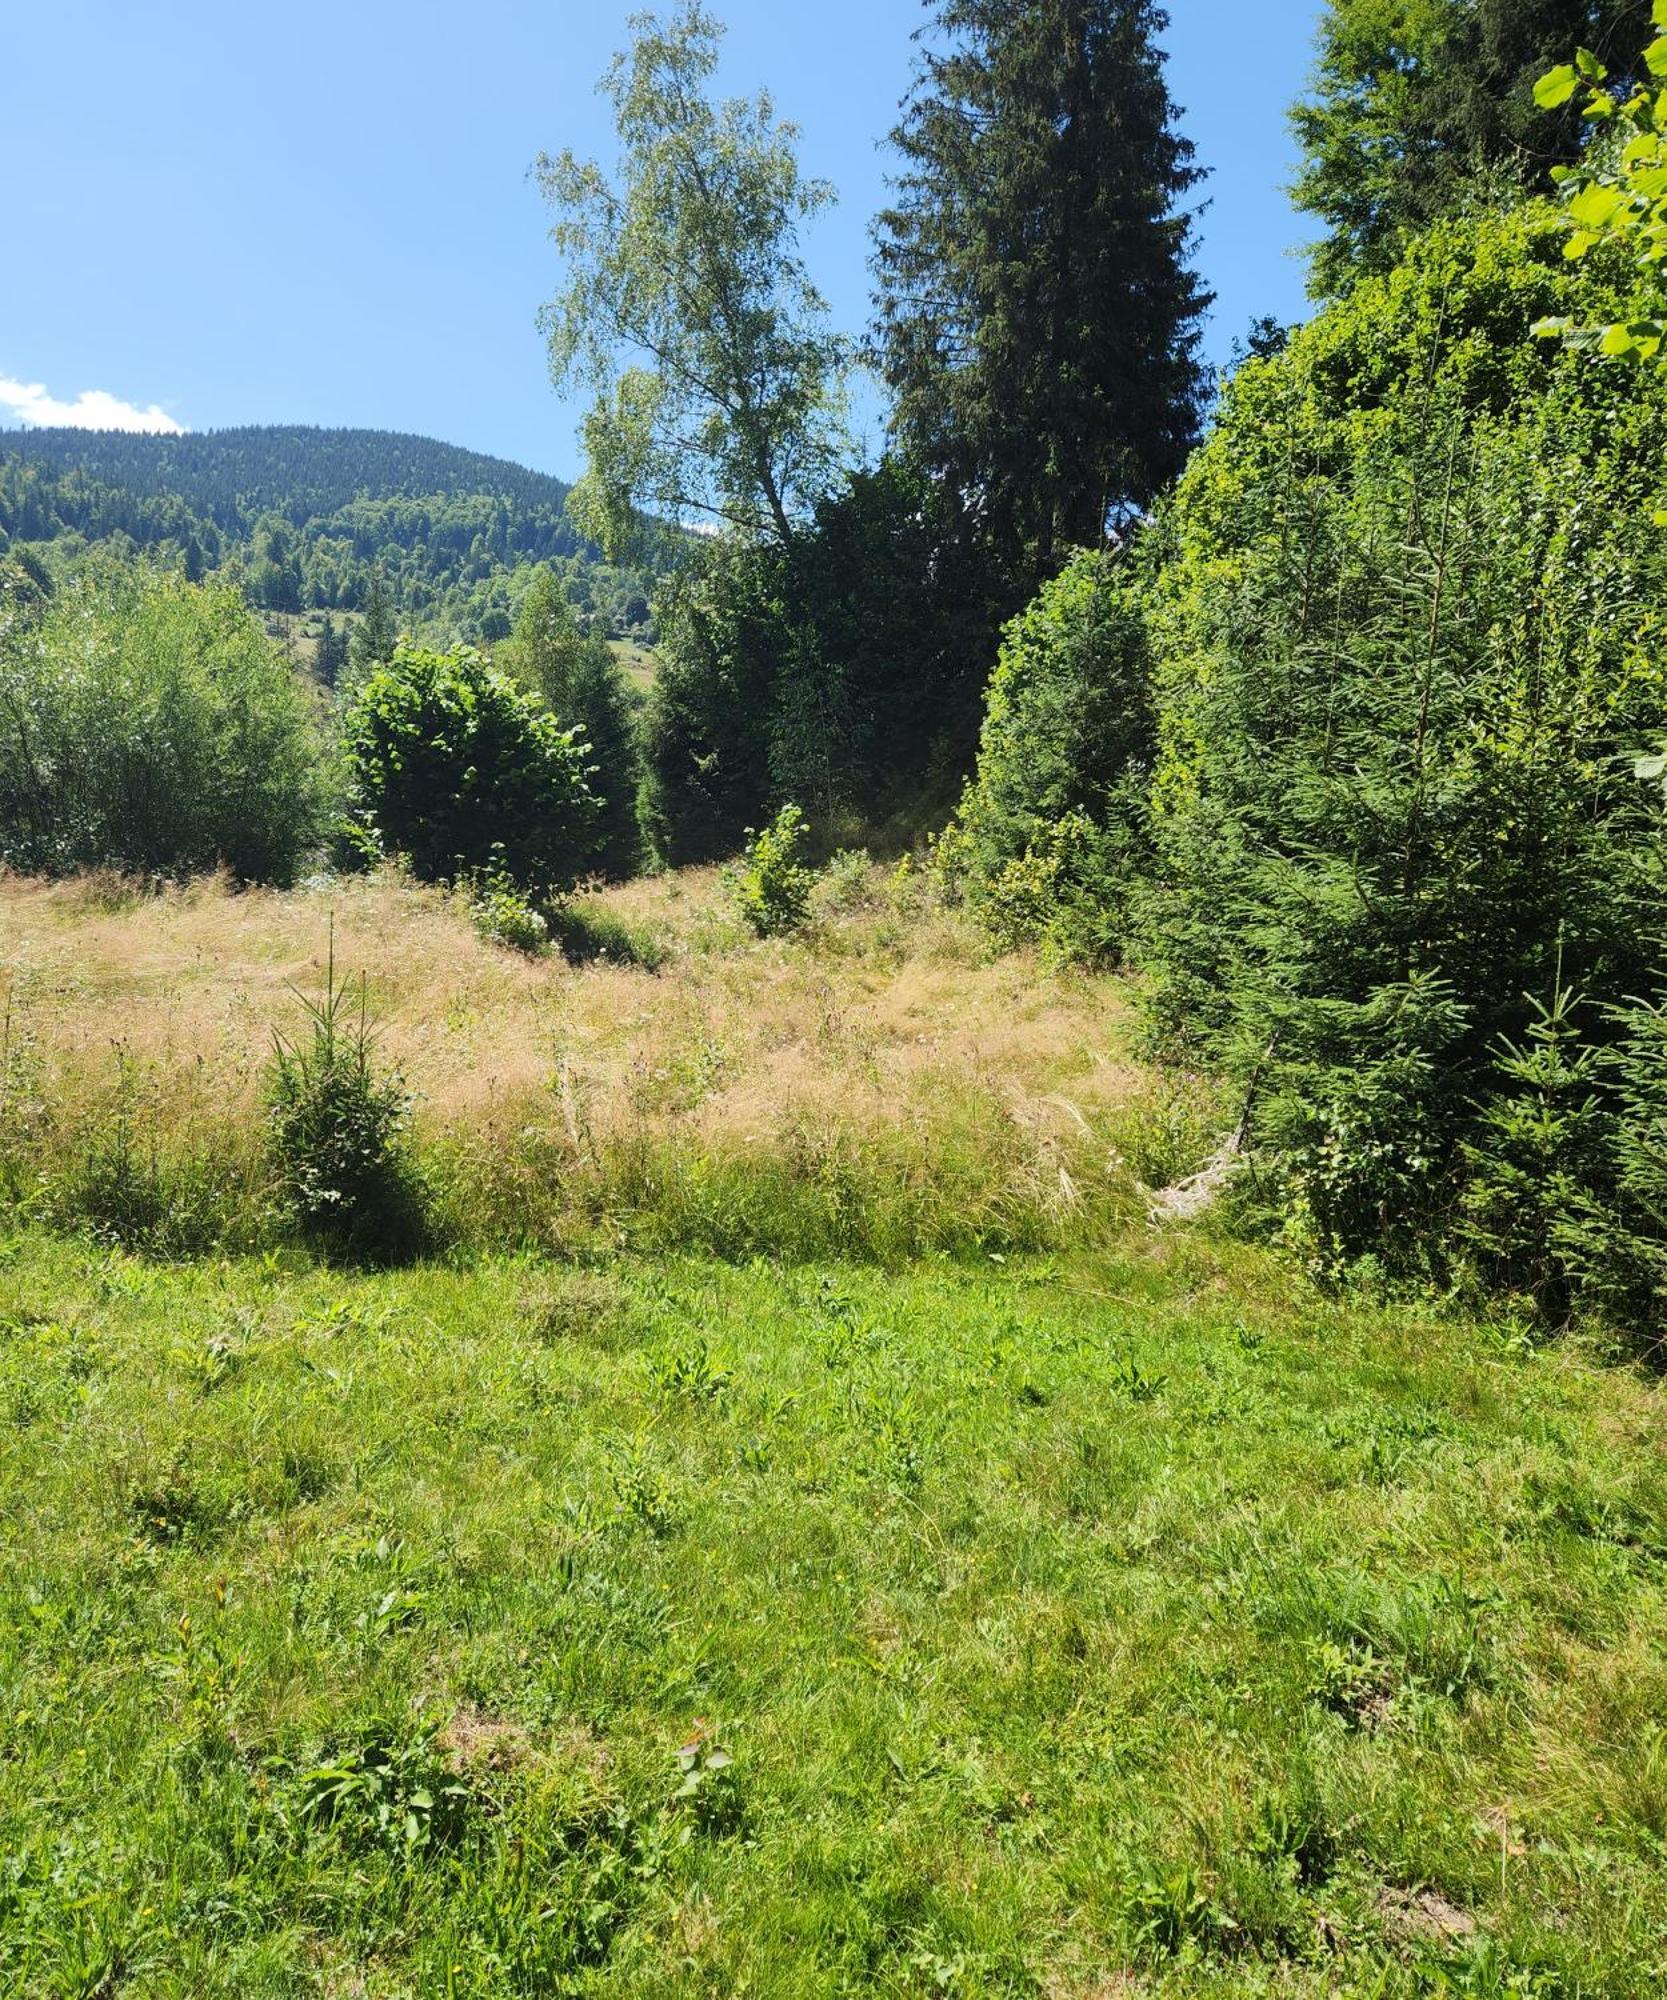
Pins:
<point x="687" y="308"/>
<point x="1615" y="196"/>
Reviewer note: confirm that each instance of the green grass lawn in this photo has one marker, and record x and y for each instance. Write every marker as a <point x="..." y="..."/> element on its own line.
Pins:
<point x="1138" y="1624"/>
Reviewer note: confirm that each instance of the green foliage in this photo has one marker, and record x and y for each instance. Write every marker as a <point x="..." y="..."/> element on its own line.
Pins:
<point x="1038" y="319"/>
<point x="1399" y="629"/>
<point x="330" y="654"/>
<point x="1624" y="1259"/>
<point x="1537" y="1163"/>
<point x="308" y="518"/>
<point x="122" y="1185"/>
<point x="1615" y="195"/>
<point x="392" y="1791"/>
<point x="376" y="635"/>
<point x="707" y="728"/>
<point x="580" y="682"/>
<point x="429" y="1653"/>
<point x="586" y="933"/>
<point x="504" y="914"/>
<point x="889" y="611"/>
<point x="147" y="724"/>
<point x="1048" y="834"/>
<point x="1393" y="613"/>
<point x="1422" y="108"/>
<point x="336" y="1133"/>
<point x="455" y="768"/>
<point x="846" y="672"/>
<point x="687" y="304"/>
<point x="771" y="885"/>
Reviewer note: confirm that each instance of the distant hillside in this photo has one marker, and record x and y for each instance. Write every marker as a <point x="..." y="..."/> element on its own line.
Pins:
<point x="309" y="517"/>
<point x="230" y="476"/>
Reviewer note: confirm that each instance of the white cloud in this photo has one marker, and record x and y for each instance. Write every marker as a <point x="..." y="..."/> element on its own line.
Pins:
<point x="92" y="410"/>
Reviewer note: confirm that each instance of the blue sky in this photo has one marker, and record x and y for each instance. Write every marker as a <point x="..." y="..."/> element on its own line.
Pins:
<point x="320" y="213"/>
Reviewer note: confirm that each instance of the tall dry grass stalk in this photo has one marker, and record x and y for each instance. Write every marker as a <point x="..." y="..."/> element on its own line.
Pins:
<point x="882" y="1086"/>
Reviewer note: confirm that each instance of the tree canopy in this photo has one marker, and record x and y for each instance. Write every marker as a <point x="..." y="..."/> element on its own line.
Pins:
<point x="686" y="304"/>
<point x="1416" y="104"/>
<point x="1038" y="315"/>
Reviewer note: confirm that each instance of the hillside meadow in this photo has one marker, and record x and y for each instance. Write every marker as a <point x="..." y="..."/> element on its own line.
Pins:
<point x="801" y="1529"/>
<point x="888" y="1084"/>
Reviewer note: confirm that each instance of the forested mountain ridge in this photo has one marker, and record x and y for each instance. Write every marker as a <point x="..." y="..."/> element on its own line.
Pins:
<point x="310" y="516"/>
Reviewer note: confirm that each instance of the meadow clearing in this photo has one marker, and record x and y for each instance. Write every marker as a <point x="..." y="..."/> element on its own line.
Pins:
<point x="800" y="1530"/>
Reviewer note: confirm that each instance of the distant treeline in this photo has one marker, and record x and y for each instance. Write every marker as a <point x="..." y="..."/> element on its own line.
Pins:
<point x="308" y="519"/>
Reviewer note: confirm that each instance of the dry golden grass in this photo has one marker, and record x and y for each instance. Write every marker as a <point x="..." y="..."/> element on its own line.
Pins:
<point x="865" y="1036"/>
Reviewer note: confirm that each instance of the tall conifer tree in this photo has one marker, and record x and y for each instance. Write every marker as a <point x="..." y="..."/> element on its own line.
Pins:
<point x="1038" y="316"/>
<point x="1415" y="103"/>
<point x="373" y="642"/>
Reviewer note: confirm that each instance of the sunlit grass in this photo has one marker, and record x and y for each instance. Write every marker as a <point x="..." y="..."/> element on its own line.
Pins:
<point x="1116" y="1625"/>
<point x="880" y="1085"/>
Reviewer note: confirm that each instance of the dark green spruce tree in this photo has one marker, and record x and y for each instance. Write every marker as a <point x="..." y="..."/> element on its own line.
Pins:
<point x="330" y="654"/>
<point x="580" y="682"/>
<point x="1038" y="314"/>
<point x="1417" y="104"/>
<point x="374" y="641"/>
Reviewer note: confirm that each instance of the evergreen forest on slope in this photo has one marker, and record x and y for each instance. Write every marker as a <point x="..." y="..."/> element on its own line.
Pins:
<point x="312" y="519"/>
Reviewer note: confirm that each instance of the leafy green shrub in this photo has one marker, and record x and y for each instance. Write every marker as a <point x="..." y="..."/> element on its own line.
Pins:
<point x="503" y="915"/>
<point x="772" y="886"/>
<point x="337" y="1134"/>
<point x="845" y="884"/>
<point x="148" y="724"/>
<point x="453" y="766"/>
<point x="1060" y="893"/>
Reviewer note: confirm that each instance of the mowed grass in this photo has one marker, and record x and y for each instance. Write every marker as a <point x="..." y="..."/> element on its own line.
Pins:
<point x="1130" y="1623"/>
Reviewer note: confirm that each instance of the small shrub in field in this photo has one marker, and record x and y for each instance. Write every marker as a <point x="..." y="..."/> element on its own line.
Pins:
<point x="503" y="915"/>
<point x="772" y="887"/>
<point x="846" y="884"/>
<point x="1054" y="895"/>
<point x="337" y="1133"/>
<point x="455" y="767"/>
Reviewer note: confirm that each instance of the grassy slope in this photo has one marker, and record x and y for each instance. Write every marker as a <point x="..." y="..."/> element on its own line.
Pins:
<point x="636" y="661"/>
<point x="1129" y="1621"/>
<point x="1117" y="1625"/>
